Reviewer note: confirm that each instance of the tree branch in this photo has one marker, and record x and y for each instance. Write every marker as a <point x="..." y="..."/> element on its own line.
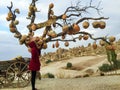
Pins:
<point x="10" y="6"/>
<point x="71" y="11"/>
<point x="49" y="39"/>
<point x="77" y="9"/>
<point x="89" y="18"/>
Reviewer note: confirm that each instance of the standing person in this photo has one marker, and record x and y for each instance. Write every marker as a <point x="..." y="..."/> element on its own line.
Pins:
<point x="34" y="64"/>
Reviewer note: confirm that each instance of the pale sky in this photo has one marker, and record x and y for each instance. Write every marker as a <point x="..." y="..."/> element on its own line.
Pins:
<point x="10" y="47"/>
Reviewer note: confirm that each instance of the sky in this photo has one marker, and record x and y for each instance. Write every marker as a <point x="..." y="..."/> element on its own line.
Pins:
<point x="10" y="47"/>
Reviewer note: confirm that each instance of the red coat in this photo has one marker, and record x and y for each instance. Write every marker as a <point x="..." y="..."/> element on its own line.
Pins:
<point x="34" y="64"/>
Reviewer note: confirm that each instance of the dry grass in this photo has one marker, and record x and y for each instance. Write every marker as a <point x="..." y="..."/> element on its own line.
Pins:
<point x="62" y="74"/>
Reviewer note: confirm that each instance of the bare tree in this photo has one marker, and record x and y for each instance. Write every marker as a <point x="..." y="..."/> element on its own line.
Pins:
<point x="63" y="22"/>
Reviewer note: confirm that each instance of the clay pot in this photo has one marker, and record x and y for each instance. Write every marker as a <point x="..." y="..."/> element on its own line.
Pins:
<point x="102" y="24"/>
<point x="95" y="24"/>
<point x="52" y="33"/>
<point x="40" y="42"/>
<point x="53" y="46"/>
<point x="33" y="27"/>
<point x="64" y="16"/>
<point x="85" y="37"/>
<point x="94" y="45"/>
<point x="51" y="5"/>
<point x="35" y="9"/>
<point x="80" y="37"/>
<point x="16" y="22"/>
<point x="66" y="44"/>
<point x="65" y="28"/>
<point x="76" y="28"/>
<point x="57" y="44"/>
<point x="102" y="43"/>
<point x="8" y="18"/>
<point x="17" y="11"/>
<point x="31" y="8"/>
<point x="85" y="25"/>
<point x="44" y="45"/>
<point x="29" y="14"/>
<point x="110" y="47"/>
<point x="63" y="36"/>
<point x="112" y="38"/>
<point x="13" y="29"/>
<point x="11" y="25"/>
<point x="10" y="14"/>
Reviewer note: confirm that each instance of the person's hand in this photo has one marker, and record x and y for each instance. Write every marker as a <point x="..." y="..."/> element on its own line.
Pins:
<point x="29" y="49"/>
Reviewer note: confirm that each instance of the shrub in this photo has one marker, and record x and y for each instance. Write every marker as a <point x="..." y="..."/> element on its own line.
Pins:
<point x="48" y="75"/>
<point x="69" y="65"/>
<point x="60" y="74"/>
<point x="86" y="75"/>
<point x="117" y="64"/>
<point x="105" y="68"/>
<point x="108" y="67"/>
<point x="48" y="61"/>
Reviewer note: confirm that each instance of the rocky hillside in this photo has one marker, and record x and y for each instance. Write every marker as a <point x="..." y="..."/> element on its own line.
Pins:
<point x="62" y="54"/>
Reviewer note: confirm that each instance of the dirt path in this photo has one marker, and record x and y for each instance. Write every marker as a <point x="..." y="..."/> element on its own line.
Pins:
<point x="81" y="63"/>
<point x="89" y="83"/>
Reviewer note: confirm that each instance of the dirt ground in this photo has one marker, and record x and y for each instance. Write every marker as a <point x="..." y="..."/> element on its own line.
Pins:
<point x="80" y="65"/>
<point x="88" y="83"/>
<point x="70" y="80"/>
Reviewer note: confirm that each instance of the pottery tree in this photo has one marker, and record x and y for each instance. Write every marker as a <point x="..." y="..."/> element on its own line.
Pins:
<point x="64" y="23"/>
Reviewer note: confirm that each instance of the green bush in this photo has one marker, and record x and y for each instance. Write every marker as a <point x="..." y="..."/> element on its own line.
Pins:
<point x="105" y="68"/>
<point x="69" y="65"/>
<point x="48" y="75"/>
<point x="48" y="61"/>
<point x="116" y="65"/>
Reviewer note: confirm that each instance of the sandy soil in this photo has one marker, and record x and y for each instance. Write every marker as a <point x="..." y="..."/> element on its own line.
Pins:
<point x="88" y="83"/>
<point x="81" y="64"/>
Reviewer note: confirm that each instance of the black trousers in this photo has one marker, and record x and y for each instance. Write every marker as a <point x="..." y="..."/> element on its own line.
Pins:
<point x="33" y="77"/>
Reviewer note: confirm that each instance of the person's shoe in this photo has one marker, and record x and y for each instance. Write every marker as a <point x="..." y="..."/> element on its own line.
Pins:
<point x="36" y="89"/>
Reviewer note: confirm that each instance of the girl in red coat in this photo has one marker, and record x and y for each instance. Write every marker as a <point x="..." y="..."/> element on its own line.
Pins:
<point x="34" y="64"/>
